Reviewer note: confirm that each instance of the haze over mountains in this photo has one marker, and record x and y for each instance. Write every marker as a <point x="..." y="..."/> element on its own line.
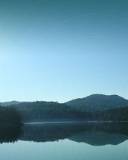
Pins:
<point x="94" y="107"/>
<point x="9" y="103"/>
<point x="94" y="102"/>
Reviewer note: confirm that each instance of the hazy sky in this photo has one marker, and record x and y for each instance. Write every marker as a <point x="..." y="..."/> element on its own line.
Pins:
<point x="58" y="50"/>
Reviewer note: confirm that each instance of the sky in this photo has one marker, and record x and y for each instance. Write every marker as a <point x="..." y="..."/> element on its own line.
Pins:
<point x="57" y="50"/>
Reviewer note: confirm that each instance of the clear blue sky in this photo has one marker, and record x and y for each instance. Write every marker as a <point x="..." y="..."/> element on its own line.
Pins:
<point x="60" y="50"/>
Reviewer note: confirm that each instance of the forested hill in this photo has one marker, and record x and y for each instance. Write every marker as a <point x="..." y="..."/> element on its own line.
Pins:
<point x="98" y="102"/>
<point x="42" y="111"/>
<point x="94" y="107"/>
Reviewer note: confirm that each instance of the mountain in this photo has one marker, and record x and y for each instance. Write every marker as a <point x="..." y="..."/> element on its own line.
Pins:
<point x="96" y="107"/>
<point x="45" y="111"/>
<point x="98" y="102"/>
<point x="10" y="103"/>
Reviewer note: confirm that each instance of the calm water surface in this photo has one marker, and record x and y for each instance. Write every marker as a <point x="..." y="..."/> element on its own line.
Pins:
<point x="55" y="142"/>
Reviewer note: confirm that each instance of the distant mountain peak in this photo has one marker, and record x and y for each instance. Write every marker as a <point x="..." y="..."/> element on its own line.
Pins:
<point x="114" y="96"/>
<point x="96" y="102"/>
<point x="9" y="103"/>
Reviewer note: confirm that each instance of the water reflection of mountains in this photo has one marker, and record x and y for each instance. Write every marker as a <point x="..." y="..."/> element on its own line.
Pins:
<point x="96" y="134"/>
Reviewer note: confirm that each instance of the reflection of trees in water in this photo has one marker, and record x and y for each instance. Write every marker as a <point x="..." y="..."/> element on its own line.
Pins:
<point x="10" y="125"/>
<point x="102" y="134"/>
<point x="9" y="133"/>
<point x="11" y="129"/>
<point x="49" y="132"/>
<point x="95" y="134"/>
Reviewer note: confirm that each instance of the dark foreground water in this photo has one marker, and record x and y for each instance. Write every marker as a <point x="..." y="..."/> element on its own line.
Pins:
<point x="70" y="141"/>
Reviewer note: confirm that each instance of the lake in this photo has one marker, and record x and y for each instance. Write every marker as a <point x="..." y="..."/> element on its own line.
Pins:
<point x="78" y="141"/>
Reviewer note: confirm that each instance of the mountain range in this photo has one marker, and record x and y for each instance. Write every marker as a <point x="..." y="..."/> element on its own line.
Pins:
<point x="94" y="102"/>
<point x="93" y="107"/>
